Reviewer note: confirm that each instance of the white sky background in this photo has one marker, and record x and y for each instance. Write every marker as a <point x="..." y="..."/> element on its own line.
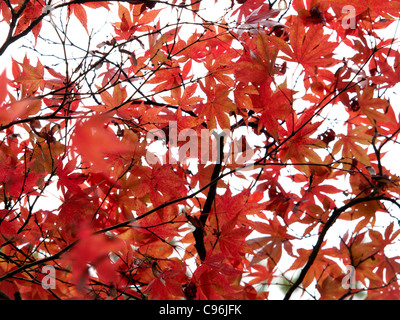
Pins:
<point x="103" y="30"/>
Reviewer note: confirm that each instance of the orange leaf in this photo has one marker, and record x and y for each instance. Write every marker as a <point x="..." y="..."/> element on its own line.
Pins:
<point x="374" y="7"/>
<point x="86" y="140"/>
<point x="350" y="146"/>
<point x="3" y="86"/>
<point x="370" y="105"/>
<point x="310" y="48"/>
<point x="13" y="111"/>
<point x="31" y="76"/>
<point x="80" y="13"/>
<point x="93" y="250"/>
<point x="218" y="105"/>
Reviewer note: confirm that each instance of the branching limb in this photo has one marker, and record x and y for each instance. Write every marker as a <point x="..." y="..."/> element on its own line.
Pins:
<point x="335" y="214"/>
<point x="198" y="233"/>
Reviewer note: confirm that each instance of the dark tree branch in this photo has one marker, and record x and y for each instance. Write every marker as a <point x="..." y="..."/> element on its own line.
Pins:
<point x="198" y="233"/>
<point x="335" y="214"/>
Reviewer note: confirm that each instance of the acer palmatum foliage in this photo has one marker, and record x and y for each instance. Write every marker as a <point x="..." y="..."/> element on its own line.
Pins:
<point x="176" y="151"/>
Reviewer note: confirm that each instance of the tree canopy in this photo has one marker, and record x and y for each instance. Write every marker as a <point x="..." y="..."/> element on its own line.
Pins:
<point x="199" y="149"/>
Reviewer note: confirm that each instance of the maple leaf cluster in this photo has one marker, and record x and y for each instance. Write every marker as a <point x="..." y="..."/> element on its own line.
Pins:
<point x="199" y="159"/>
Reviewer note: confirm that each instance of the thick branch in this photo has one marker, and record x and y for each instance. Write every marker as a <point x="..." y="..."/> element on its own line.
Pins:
<point x="198" y="233"/>
<point x="335" y="214"/>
